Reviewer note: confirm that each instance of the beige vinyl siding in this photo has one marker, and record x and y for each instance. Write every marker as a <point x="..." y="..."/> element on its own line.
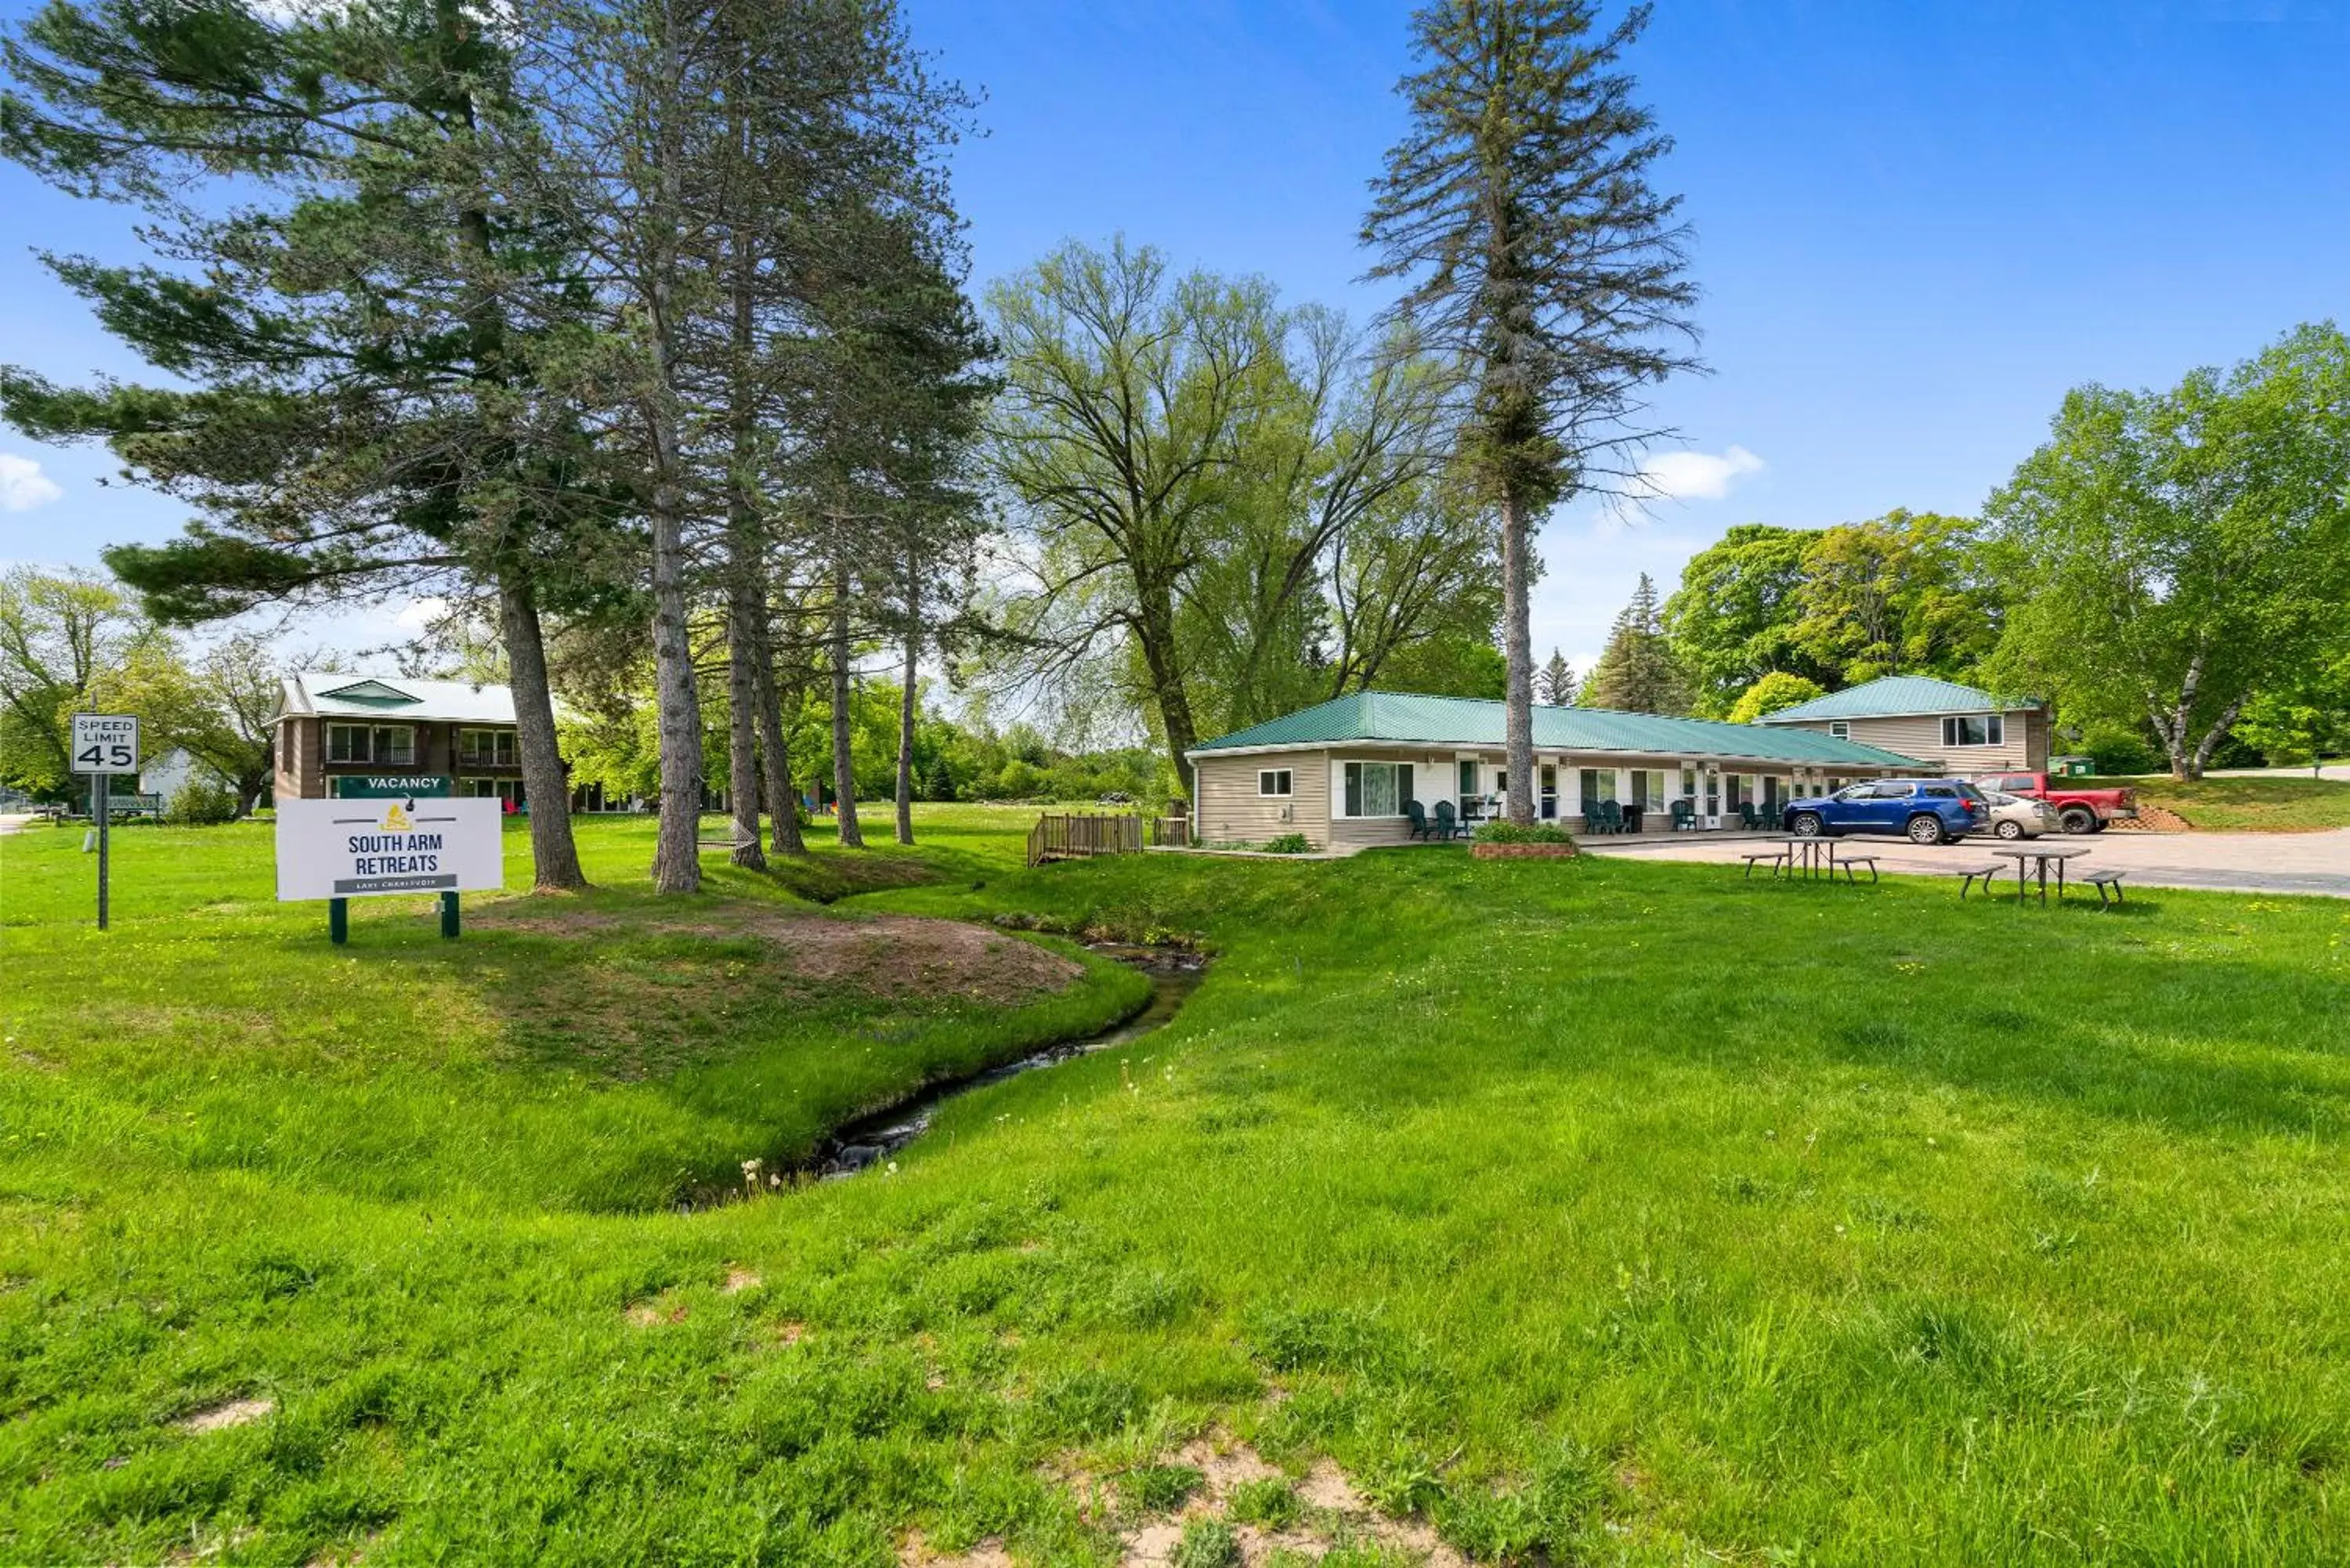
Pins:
<point x="1920" y="735"/>
<point x="301" y="760"/>
<point x="1230" y="811"/>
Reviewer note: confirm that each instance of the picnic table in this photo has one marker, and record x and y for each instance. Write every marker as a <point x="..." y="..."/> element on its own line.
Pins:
<point x="2041" y="856"/>
<point x="1813" y="856"/>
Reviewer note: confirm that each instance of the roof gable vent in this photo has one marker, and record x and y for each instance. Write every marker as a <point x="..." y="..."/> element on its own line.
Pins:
<point x="374" y="693"/>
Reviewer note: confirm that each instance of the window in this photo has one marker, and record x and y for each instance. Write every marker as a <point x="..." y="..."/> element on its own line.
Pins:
<point x="1688" y="783"/>
<point x="486" y="748"/>
<point x="508" y="790"/>
<point x="1939" y="791"/>
<point x="1272" y="781"/>
<point x="1840" y="729"/>
<point x="1594" y="792"/>
<point x="1377" y="789"/>
<point x="1468" y="771"/>
<point x="393" y="744"/>
<point x="1974" y="729"/>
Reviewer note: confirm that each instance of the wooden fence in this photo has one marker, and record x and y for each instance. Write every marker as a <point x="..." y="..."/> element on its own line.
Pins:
<point x="1073" y="837"/>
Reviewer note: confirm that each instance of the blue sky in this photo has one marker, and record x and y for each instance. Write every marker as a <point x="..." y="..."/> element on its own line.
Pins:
<point x="1917" y="223"/>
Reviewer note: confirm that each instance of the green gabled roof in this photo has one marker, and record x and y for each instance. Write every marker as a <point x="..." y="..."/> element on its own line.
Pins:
<point x="1898" y="696"/>
<point x="1405" y="718"/>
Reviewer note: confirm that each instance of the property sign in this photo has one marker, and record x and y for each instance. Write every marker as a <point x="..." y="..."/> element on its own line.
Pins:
<point x="356" y="849"/>
<point x="105" y="743"/>
<point x="383" y="786"/>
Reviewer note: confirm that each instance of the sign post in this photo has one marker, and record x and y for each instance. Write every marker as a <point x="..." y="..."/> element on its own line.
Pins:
<point x="359" y="846"/>
<point x="104" y="744"/>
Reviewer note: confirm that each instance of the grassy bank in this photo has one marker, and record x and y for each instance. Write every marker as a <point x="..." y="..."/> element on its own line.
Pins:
<point x="1613" y="1210"/>
<point x="2248" y="805"/>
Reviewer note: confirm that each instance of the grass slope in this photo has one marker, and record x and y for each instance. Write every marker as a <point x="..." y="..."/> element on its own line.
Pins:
<point x="1615" y="1210"/>
<point x="2249" y="805"/>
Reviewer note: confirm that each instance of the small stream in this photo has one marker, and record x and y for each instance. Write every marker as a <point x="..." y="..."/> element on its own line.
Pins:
<point x="872" y="1138"/>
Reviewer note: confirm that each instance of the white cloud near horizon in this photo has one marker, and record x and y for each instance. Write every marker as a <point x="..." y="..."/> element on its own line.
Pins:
<point x="418" y="613"/>
<point x="1698" y="475"/>
<point x="22" y="486"/>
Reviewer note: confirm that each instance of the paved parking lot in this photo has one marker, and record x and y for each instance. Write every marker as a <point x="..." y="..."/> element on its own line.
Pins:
<point x="2245" y="862"/>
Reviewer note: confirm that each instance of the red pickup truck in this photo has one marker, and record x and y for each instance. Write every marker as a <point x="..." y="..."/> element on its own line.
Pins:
<point x="2080" y="810"/>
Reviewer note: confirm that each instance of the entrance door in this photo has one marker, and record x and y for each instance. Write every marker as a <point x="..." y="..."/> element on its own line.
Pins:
<point x="1712" y="798"/>
<point x="1549" y="792"/>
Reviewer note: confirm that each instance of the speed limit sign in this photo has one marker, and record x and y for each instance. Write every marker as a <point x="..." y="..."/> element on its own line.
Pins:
<point x="105" y="743"/>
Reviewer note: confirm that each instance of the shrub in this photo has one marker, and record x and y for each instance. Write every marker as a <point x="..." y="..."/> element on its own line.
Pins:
<point x="1523" y="833"/>
<point x="2115" y="749"/>
<point x="198" y="803"/>
<point x="1289" y="844"/>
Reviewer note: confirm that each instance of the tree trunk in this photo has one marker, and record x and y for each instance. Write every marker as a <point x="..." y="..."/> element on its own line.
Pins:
<point x="547" y="792"/>
<point x="905" y="708"/>
<point x="844" y="766"/>
<point x="1155" y="632"/>
<point x="1518" y="652"/>
<point x="742" y="610"/>
<point x="2213" y="736"/>
<point x="676" y="864"/>
<point x="775" y="756"/>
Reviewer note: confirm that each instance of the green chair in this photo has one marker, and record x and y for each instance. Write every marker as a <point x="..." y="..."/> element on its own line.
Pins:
<point x="1611" y="816"/>
<point x="1684" y="817"/>
<point x="1418" y="815"/>
<point x="1447" y="826"/>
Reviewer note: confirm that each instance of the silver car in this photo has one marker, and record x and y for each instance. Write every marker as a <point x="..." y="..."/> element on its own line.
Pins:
<point x="2019" y="816"/>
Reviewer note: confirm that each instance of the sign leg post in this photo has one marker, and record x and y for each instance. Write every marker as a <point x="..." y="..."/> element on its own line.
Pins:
<point x="102" y="786"/>
<point x="339" y="921"/>
<point x="449" y="916"/>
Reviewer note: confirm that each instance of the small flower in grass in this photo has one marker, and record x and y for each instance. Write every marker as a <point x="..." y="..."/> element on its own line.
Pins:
<point x="893" y="1167"/>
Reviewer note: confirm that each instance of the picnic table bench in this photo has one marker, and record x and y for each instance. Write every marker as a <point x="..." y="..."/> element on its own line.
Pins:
<point x="1983" y="874"/>
<point x="2104" y="881"/>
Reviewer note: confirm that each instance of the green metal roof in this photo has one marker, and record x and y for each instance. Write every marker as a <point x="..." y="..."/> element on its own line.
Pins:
<point x="1403" y="717"/>
<point x="1898" y="696"/>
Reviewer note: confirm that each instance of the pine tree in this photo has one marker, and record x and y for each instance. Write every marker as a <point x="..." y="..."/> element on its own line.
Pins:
<point x="1637" y="673"/>
<point x="363" y="415"/>
<point x="1556" y="685"/>
<point x="1518" y="208"/>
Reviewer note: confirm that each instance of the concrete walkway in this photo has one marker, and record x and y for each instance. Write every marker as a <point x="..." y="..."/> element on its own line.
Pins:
<point x="15" y="824"/>
<point x="2316" y="862"/>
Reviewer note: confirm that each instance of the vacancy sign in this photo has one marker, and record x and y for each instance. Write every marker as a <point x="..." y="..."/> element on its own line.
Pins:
<point x="105" y="743"/>
<point x="355" y="848"/>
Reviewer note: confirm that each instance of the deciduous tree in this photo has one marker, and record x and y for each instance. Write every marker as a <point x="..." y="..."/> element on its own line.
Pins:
<point x="2174" y="555"/>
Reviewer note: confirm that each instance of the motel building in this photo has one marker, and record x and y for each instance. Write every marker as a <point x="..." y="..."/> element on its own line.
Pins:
<point x="1344" y="773"/>
<point x="339" y="735"/>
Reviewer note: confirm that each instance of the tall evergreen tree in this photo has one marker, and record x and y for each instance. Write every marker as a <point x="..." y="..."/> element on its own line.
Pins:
<point x="365" y="416"/>
<point x="1518" y="210"/>
<point x="1556" y="685"/>
<point x="1637" y="673"/>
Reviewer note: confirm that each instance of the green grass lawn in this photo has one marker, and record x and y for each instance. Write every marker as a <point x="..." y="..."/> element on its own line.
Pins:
<point x="2280" y="804"/>
<point x="1600" y="1209"/>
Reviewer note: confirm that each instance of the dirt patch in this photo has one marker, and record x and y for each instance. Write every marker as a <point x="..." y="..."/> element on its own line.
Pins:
<point x="2152" y="819"/>
<point x="884" y="955"/>
<point x="789" y="1333"/>
<point x="915" y="1552"/>
<point x="236" y="1413"/>
<point x="1329" y="1513"/>
<point x="654" y="1314"/>
<point x="739" y="1280"/>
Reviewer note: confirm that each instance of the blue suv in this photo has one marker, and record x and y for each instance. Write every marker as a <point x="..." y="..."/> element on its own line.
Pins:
<point x="1925" y="811"/>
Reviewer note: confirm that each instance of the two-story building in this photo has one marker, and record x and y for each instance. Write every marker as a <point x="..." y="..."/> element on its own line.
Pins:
<point x="1966" y="730"/>
<point x="340" y="734"/>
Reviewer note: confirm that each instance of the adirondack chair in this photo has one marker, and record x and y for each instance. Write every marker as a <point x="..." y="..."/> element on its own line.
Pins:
<point x="1611" y="816"/>
<point x="1594" y="820"/>
<point x="1418" y="815"/>
<point x="1751" y="816"/>
<point x="1448" y="825"/>
<point x="1684" y="817"/>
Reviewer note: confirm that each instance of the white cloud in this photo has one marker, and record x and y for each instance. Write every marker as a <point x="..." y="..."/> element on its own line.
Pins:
<point x="1698" y="475"/>
<point x="418" y="613"/>
<point x="22" y="486"/>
